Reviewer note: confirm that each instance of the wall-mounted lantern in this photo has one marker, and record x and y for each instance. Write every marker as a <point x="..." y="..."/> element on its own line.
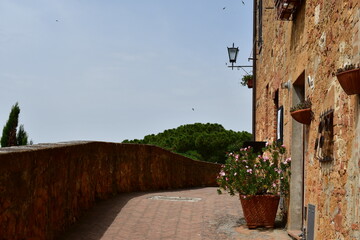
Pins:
<point x="233" y="52"/>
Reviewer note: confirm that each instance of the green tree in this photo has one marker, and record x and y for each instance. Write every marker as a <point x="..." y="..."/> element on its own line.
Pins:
<point x="9" y="136"/>
<point x="206" y="142"/>
<point x="9" y="131"/>
<point x="22" y="137"/>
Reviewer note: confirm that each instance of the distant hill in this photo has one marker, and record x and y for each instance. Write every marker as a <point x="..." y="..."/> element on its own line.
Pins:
<point x="205" y="142"/>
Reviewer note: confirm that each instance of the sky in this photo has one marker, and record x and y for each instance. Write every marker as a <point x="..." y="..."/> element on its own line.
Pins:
<point x="119" y="69"/>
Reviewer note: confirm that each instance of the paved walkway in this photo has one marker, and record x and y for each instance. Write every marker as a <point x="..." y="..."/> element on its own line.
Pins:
<point x="185" y="214"/>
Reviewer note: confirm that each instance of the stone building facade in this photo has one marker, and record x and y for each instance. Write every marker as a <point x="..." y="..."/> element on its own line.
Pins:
<point x="297" y="58"/>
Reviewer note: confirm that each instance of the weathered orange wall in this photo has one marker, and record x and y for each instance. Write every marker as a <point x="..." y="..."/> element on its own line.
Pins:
<point x="324" y="36"/>
<point x="44" y="188"/>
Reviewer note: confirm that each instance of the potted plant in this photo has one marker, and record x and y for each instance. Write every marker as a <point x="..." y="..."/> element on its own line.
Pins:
<point x="302" y="112"/>
<point x="349" y="78"/>
<point x="260" y="180"/>
<point x="247" y="80"/>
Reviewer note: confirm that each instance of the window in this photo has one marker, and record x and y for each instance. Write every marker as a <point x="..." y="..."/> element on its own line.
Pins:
<point x="324" y="144"/>
<point x="280" y="124"/>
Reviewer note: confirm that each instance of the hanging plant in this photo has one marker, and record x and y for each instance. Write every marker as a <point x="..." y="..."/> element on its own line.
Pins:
<point x="303" y="105"/>
<point x="349" y="78"/>
<point x="247" y="80"/>
<point x="302" y="112"/>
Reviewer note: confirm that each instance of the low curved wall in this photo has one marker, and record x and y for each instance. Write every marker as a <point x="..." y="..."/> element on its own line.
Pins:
<point x="44" y="188"/>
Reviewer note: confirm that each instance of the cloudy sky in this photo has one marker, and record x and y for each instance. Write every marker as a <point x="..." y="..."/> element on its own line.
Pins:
<point x="111" y="70"/>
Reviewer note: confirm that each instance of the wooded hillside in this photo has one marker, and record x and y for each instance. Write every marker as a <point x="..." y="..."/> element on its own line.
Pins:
<point x="205" y="142"/>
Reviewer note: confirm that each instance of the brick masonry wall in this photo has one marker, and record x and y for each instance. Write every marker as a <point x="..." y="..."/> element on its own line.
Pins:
<point x="323" y="37"/>
<point x="44" y="188"/>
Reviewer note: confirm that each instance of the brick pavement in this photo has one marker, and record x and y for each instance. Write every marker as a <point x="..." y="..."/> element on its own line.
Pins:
<point x="134" y="216"/>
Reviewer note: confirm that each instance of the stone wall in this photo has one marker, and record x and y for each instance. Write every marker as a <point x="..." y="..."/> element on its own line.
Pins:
<point x="44" y="188"/>
<point x="323" y="36"/>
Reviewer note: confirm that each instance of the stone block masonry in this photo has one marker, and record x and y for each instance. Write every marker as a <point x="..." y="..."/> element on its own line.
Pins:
<point x="324" y="35"/>
<point x="45" y="188"/>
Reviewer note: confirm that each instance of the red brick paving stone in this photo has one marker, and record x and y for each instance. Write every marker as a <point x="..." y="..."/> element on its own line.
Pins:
<point x="134" y="216"/>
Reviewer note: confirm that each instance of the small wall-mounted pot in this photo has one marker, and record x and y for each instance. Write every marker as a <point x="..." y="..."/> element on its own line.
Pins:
<point x="250" y="83"/>
<point x="303" y="116"/>
<point x="350" y="81"/>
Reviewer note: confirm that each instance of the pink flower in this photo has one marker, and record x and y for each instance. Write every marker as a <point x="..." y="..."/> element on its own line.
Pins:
<point x="222" y="173"/>
<point x="287" y="161"/>
<point x="249" y="171"/>
<point x="235" y="174"/>
<point x="274" y="184"/>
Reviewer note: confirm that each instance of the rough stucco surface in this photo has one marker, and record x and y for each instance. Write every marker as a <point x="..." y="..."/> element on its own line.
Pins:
<point x="324" y="36"/>
<point x="44" y="188"/>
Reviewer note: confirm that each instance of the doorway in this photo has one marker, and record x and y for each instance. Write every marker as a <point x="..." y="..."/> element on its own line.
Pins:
<point x="298" y="143"/>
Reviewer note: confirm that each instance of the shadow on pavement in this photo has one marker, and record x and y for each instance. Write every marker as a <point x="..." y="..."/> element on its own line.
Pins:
<point x="95" y="221"/>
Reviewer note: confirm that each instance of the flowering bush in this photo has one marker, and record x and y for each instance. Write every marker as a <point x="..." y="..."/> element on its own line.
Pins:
<point x="247" y="173"/>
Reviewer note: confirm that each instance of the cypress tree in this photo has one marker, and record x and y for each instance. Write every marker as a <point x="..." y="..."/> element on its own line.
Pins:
<point x="9" y="137"/>
<point x="9" y="131"/>
<point x="21" y="137"/>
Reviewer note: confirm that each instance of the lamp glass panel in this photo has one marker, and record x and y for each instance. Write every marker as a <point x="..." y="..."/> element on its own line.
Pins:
<point x="233" y="54"/>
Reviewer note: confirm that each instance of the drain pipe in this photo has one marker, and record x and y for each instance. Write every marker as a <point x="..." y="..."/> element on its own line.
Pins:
<point x="254" y="72"/>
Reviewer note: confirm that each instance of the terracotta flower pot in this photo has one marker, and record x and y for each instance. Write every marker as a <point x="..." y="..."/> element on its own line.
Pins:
<point x="250" y="83"/>
<point x="302" y="116"/>
<point x="260" y="210"/>
<point x="350" y="81"/>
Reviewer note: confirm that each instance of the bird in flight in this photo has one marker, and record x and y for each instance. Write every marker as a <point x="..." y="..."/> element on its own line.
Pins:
<point x="224" y="8"/>
<point x="193" y="109"/>
<point x="242" y="2"/>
